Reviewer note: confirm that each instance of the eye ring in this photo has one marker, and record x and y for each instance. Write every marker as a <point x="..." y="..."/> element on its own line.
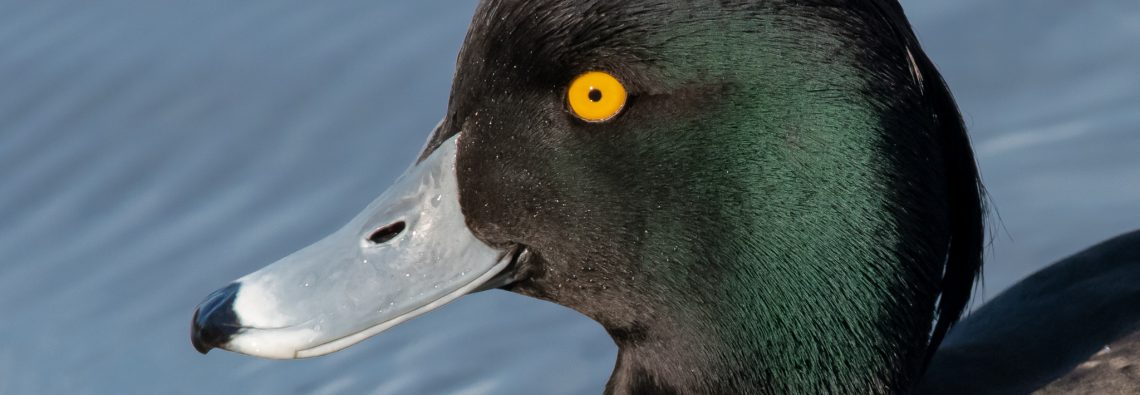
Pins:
<point x="596" y="97"/>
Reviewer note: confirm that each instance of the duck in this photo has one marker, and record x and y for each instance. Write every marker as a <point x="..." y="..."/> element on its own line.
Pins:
<point x="1070" y="328"/>
<point x="748" y="196"/>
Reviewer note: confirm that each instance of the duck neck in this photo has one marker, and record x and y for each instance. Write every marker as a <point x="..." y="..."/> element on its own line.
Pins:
<point x="779" y="340"/>
<point x="799" y="293"/>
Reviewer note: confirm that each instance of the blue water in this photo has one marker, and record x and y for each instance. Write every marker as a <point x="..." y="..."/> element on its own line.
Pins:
<point x="153" y="150"/>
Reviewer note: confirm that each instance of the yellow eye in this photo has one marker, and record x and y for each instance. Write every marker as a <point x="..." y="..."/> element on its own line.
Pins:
<point x="596" y="97"/>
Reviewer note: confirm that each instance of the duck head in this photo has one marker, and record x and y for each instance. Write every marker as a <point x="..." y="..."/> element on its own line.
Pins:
<point x="766" y="196"/>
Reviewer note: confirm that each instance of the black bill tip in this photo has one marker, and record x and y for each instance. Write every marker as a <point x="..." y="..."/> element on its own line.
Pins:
<point x="215" y="322"/>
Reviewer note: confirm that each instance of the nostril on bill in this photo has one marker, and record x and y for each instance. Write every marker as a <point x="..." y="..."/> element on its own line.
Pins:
<point x="387" y="233"/>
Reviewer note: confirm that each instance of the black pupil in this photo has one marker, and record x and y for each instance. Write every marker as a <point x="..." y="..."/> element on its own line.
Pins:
<point x="387" y="233"/>
<point x="595" y="95"/>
